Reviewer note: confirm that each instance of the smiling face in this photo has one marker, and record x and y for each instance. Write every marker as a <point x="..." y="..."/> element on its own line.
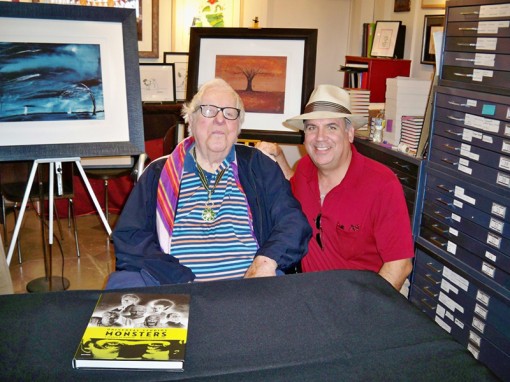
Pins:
<point x="215" y="136"/>
<point x="328" y="142"/>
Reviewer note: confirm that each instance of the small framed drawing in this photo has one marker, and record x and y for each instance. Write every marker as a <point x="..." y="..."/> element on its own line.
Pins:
<point x="385" y="38"/>
<point x="180" y="61"/>
<point x="431" y="24"/>
<point x="157" y="82"/>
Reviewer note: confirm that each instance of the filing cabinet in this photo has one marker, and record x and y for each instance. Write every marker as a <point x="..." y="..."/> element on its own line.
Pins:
<point x="408" y="170"/>
<point x="461" y="276"/>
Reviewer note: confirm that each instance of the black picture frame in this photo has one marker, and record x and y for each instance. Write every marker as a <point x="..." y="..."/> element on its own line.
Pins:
<point x="180" y="61"/>
<point x="431" y="23"/>
<point x="157" y="82"/>
<point x="299" y="46"/>
<point x="386" y="38"/>
<point x="120" y="76"/>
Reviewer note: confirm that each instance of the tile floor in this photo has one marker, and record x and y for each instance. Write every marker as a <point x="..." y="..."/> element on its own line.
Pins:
<point x="89" y="271"/>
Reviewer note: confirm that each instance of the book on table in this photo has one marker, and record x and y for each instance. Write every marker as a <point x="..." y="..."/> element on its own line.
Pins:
<point x="135" y="331"/>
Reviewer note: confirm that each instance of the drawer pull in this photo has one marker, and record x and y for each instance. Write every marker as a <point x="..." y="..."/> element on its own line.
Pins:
<point x="425" y="302"/>
<point x="429" y="277"/>
<point x="470" y="44"/>
<point x="431" y="266"/>
<point x="444" y="188"/>
<point x="467" y="29"/>
<point x="435" y="227"/>
<point x="451" y="132"/>
<point x="446" y="160"/>
<point x="462" y="75"/>
<point x="439" y="200"/>
<point x="456" y="103"/>
<point x="438" y="213"/>
<point x="403" y="180"/>
<point x="476" y="13"/>
<point x="455" y="118"/>
<point x="404" y="166"/>
<point x="450" y="147"/>
<point x="436" y="242"/>
<point x="429" y="292"/>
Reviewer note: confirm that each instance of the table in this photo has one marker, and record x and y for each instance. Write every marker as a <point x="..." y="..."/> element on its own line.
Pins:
<point x="325" y="326"/>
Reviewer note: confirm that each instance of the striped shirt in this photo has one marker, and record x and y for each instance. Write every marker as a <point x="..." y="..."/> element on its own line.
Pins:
<point x="220" y="249"/>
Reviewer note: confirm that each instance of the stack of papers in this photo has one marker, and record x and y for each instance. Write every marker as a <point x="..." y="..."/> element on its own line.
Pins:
<point x="410" y="133"/>
<point x="360" y="101"/>
<point x="405" y="96"/>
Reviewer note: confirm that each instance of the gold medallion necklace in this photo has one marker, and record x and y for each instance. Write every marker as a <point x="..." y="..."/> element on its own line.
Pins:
<point x="208" y="213"/>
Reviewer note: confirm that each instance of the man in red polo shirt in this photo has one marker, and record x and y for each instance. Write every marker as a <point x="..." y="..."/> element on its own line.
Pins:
<point x="355" y="205"/>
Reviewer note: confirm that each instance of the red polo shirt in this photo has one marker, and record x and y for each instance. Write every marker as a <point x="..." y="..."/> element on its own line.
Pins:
<point x="364" y="220"/>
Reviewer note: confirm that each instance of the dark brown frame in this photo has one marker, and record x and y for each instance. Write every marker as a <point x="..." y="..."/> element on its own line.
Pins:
<point x="429" y="22"/>
<point x="309" y="36"/>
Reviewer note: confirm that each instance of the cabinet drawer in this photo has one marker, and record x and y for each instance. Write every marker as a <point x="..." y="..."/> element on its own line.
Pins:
<point x="477" y="138"/>
<point x="495" y="205"/>
<point x="501" y="45"/>
<point x="493" y="28"/>
<point x="470" y="151"/>
<point x="490" y="61"/>
<point x="471" y="168"/>
<point x="479" y="12"/>
<point x="480" y="77"/>
<point x="393" y="161"/>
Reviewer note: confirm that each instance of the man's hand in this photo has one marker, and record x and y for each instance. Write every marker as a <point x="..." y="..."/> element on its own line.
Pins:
<point x="261" y="266"/>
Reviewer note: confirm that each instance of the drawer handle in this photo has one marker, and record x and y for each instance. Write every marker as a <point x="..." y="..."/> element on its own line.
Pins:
<point x="446" y="160"/>
<point x="451" y="132"/>
<point x="456" y="103"/>
<point x="439" y="200"/>
<point x="436" y="242"/>
<point x="438" y="213"/>
<point x="435" y="227"/>
<point x="470" y="44"/>
<point x="476" y="13"/>
<point x="455" y="118"/>
<point x="404" y="166"/>
<point x="444" y="188"/>
<point x="431" y="266"/>
<point x="403" y="180"/>
<point x="429" y="277"/>
<point x="425" y="302"/>
<point x="462" y="75"/>
<point x="468" y="29"/>
<point x="429" y="292"/>
<point x="450" y="147"/>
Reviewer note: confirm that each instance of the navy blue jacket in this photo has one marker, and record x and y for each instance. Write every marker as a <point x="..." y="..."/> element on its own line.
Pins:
<point x="281" y="228"/>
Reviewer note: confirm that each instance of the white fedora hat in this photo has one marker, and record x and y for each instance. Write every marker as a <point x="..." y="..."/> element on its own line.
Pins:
<point x="327" y="101"/>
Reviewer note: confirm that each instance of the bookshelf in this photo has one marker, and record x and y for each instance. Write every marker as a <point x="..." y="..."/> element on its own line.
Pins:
<point x="371" y="73"/>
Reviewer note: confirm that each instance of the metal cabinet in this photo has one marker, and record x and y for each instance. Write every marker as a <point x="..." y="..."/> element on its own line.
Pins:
<point x="461" y="277"/>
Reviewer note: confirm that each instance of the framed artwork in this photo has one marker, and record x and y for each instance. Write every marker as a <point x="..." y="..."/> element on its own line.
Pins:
<point x="385" y="38"/>
<point x="180" y="61"/>
<point x="81" y="96"/>
<point x="201" y="13"/>
<point x="157" y="82"/>
<point x="431" y="24"/>
<point x="147" y="20"/>
<point x="402" y="6"/>
<point x="272" y="69"/>
<point x="433" y="3"/>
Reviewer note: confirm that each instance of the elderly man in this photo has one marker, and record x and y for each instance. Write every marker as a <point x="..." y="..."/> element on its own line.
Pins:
<point x="212" y="209"/>
<point x="356" y="206"/>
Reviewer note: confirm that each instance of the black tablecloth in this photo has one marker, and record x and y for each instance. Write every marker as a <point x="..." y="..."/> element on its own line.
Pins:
<point x="327" y="326"/>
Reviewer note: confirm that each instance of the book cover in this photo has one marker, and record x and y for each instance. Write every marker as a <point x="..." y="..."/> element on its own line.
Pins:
<point x="135" y="331"/>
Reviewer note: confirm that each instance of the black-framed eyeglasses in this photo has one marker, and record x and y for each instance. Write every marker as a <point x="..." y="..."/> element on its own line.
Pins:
<point x="319" y="227"/>
<point x="211" y="111"/>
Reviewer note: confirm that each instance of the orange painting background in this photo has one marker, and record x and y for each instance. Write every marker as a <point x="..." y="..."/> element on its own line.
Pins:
<point x="259" y="80"/>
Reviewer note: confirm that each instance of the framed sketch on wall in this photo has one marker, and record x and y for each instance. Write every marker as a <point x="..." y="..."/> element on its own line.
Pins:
<point x="431" y="24"/>
<point x="180" y="61"/>
<point x="272" y="69"/>
<point x="157" y="82"/>
<point x="82" y="95"/>
<point x="385" y="38"/>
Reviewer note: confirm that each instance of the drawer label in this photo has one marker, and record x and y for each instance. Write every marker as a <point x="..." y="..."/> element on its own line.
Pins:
<point x="496" y="225"/>
<point x="503" y="179"/>
<point x="497" y="10"/>
<point x="478" y="324"/>
<point x="450" y="304"/>
<point x="504" y="163"/>
<point x="459" y="193"/>
<point x="488" y="269"/>
<point x="493" y="240"/>
<point x="505" y="147"/>
<point x="443" y="324"/>
<point x="507" y="129"/>
<point x="479" y="74"/>
<point x="458" y="203"/>
<point x="492" y="257"/>
<point x="473" y="350"/>
<point x="481" y="311"/>
<point x="475" y="338"/>
<point x="453" y="231"/>
<point x="447" y="287"/>
<point x="481" y="123"/>
<point x="456" y="279"/>
<point x="486" y="43"/>
<point x="488" y="109"/>
<point x="498" y="210"/>
<point x="451" y="247"/>
<point x="491" y="27"/>
<point x="483" y="297"/>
